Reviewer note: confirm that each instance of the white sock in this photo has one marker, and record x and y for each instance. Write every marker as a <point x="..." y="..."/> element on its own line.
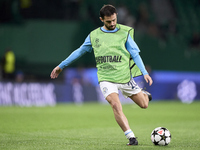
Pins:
<point x="129" y="134"/>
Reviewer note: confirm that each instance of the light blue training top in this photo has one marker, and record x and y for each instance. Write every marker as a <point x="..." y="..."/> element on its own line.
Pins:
<point x="130" y="45"/>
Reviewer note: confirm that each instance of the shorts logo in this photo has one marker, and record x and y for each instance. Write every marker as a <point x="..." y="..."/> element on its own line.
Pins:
<point x="105" y="90"/>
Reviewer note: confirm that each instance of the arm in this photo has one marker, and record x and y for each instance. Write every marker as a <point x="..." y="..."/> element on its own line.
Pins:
<point x="85" y="47"/>
<point x="72" y="57"/>
<point x="134" y="50"/>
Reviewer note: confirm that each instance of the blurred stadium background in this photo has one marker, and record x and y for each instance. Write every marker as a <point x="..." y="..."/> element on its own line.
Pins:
<point x="36" y="35"/>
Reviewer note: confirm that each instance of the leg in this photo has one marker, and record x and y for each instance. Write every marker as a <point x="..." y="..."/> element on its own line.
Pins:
<point x="121" y="119"/>
<point x="141" y="99"/>
<point x="110" y="92"/>
<point x="115" y="103"/>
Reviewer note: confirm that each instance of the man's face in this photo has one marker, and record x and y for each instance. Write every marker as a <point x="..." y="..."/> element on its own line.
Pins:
<point x="109" y="21"/>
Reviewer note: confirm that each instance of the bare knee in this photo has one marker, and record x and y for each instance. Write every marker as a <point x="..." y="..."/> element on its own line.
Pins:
<point x="116" y="107"/>
<point x="144" y="105"/>
<point x="145" y="102"/>
<point x="114" y="102"/>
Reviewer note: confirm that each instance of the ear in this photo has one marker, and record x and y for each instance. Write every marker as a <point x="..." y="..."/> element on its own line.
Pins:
<point x="101" y="19"/>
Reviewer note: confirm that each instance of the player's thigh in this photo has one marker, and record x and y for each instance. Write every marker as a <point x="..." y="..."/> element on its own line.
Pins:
<point x="114" y="101"/>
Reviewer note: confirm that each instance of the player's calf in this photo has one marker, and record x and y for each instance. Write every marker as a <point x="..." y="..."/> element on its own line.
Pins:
<point x="148" y="94"/>
<point x="140" y="99"/>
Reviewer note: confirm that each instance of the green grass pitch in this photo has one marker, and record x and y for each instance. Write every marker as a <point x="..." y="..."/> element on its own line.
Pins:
<point x="92" y="126"/>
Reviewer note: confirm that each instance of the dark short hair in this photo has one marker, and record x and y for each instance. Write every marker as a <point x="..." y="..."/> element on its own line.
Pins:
<point x="107" y="10"/>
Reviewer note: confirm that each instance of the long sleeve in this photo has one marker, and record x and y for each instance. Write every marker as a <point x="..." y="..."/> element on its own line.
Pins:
<point x="134" y="50"/>
<point x="84" y="48"/>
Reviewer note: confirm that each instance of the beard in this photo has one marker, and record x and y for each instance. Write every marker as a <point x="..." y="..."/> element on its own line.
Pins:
<point x="110" y="27"/>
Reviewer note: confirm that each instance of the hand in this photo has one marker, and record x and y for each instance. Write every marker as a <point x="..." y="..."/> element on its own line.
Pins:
<point x="148" y="79"/>
<point x="55" y="72"/>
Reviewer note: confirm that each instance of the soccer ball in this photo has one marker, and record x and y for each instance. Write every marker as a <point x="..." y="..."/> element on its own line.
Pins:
<point x="160" y="136"/>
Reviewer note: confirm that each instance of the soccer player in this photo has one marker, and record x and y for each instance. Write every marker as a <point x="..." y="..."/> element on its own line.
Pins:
<point x="117" y="56"/>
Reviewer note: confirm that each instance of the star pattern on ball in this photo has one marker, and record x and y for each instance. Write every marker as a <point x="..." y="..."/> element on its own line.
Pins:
<point x="161" y="136"/>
